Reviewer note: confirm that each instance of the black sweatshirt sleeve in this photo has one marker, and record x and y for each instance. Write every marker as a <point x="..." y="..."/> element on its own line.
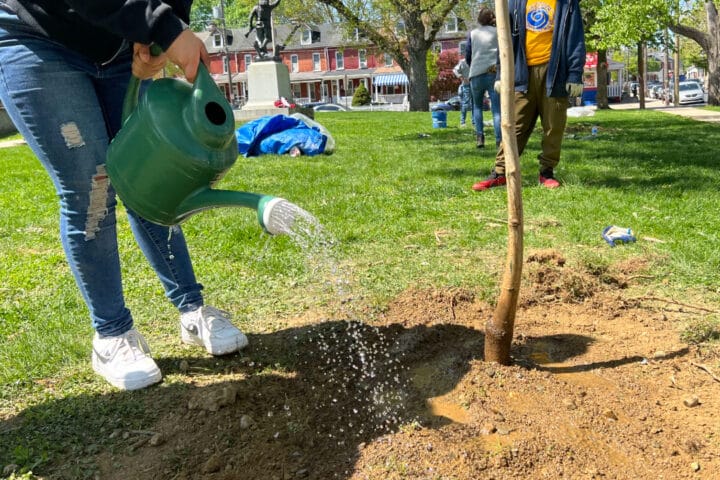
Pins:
<point x="142" y="21"/>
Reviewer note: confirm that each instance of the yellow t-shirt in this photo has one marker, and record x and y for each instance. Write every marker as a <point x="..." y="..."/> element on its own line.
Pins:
<point x="539" y="23"/>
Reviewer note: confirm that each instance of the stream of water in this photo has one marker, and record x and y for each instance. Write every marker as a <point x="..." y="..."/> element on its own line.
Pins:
<point x="365" y="382"/>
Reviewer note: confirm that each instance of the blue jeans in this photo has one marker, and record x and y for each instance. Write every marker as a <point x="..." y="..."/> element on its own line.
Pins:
<point x="68" y="108"/>
<point x="480" y="84"/>
<point x="465" y="102"/>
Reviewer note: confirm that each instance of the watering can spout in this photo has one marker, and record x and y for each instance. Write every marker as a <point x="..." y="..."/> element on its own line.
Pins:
<point x="275" y="215"/>
<point x="206" y="198"/>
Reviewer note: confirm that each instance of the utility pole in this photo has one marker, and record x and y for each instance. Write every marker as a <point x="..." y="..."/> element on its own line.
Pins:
<point x="219" y="12"/>
<point x="676" y="75"/>
<point x="666" y="70"/>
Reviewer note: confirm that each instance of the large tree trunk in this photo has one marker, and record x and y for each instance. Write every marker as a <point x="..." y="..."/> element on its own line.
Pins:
<point x="713" y="54"/>
<point x="602" y="80"/>
<point x="710" y="43"/>
<point x="499" y="329"/>
<point x="418" y="91"/>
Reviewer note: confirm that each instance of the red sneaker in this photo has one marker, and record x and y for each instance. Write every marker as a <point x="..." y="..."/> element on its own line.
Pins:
<point x="547" y="179"/>
<point x="494" y="180"/>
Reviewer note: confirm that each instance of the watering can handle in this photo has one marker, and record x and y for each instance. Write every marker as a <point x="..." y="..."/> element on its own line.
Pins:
<point x="133" y="92"/>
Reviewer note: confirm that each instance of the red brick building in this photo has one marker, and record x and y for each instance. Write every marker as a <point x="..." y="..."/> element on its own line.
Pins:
<point x="324" y="64"/>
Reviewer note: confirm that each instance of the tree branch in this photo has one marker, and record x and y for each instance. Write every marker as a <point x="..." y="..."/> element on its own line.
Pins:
<point x="701" y="38"/>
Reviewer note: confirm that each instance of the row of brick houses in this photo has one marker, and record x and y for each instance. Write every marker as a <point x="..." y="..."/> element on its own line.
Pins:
<point x="324" y="64"/>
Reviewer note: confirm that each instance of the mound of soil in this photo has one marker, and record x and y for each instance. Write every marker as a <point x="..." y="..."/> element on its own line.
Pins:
<point x="600" y="387"/>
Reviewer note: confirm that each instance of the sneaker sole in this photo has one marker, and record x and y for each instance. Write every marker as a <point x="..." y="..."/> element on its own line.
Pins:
<point x="218" y="349"/>
<point x="124" y="384"/>
<point x="482" y="189"/>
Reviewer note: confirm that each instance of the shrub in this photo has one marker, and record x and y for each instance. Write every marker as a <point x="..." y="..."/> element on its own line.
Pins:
<point x="361" y="96"/>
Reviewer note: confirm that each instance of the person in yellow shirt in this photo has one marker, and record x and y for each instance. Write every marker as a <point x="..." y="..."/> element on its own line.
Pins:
<point x="549" y="48"/>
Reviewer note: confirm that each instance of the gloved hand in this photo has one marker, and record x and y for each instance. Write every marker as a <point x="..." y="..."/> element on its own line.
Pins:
<point x="497" y="86"/>
<point x="574" y="89"/>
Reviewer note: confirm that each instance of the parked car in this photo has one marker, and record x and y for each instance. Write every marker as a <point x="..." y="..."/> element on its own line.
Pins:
<point x="690" y="92"/>
<point x="656" y="91"/>
<point x="652" y="89"/>
<point x="443" y="106"/>
<point x="634" y="88"/>
<point x="329" y="107"/>
<point x="312" y="104"/>
<point x="698" y="81"/>
<point x="454" y="103"/>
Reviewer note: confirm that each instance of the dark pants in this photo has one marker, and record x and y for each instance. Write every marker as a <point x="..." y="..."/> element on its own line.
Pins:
<point x="553" y="116"/>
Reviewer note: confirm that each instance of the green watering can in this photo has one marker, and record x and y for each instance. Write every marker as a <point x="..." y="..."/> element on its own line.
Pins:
<point x="175" y="143"/>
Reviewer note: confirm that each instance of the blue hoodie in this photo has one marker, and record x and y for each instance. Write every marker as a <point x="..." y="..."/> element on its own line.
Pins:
<point x="567" y="58"/>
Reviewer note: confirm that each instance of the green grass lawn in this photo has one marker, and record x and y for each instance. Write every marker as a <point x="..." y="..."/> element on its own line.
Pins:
<point x="398" y="205"/>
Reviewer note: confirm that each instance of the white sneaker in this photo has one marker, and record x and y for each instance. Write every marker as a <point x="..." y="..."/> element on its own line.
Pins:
<point x="211" y="328"/>
<point x="124" y="360"/>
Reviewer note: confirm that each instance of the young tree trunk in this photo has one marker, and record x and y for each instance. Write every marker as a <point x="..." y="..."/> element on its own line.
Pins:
<point x="499" y="329"/>
<point x="602" y="80"/>
<point x="641" y="73"/>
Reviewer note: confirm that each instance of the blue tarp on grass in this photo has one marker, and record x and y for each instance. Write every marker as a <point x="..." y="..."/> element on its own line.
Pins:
<point x="278" y="134"/>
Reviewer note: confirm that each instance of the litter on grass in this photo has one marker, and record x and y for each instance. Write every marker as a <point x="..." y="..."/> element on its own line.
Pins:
<point x="614" y="235"/>
<point x="581" y="112"/>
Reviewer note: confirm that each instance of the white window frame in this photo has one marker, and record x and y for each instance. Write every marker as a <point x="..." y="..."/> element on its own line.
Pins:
<point x="452" y="24"/>
<point x="339" y="60"/>
<point x="362" y="58"/>
<point x="294" y="63"/>
<point x="248" y="61"/>
<point x="388" y="60"/>
<point x="306" y="37"/>
<point x="317" y="63"/>
<point x="217" y="40"/>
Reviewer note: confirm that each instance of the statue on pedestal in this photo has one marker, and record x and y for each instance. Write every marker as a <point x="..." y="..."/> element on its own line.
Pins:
<point x="261" y="21"/>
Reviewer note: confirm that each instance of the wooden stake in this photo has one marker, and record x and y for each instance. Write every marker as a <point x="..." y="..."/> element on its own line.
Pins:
<point x="499" y="329"/>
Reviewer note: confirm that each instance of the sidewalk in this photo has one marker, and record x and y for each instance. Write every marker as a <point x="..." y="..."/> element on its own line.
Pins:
<point x="12" y="143"/>
<point x="688" y="111"/>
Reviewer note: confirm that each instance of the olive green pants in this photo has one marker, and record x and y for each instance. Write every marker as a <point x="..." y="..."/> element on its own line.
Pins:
<point x="553" y="117"/>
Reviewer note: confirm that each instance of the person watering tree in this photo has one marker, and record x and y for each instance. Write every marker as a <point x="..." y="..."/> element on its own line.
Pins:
<point x="65" y="71"/>
<point x="549" y="48"/>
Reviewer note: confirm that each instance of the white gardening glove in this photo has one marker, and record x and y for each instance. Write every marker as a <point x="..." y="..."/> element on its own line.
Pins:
<point x="497" y="86"/>
<point x="574" y="89"/>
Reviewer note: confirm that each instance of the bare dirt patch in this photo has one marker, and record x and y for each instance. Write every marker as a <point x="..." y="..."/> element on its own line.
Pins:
<point x="601" y="387"/>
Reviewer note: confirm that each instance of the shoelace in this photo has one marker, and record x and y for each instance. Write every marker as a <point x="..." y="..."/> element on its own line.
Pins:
<point x="130" y="346"/>
<point x="216" y="319"/>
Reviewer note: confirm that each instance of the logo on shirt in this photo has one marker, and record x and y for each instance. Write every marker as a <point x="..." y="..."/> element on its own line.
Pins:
<point x="539" y="17"/>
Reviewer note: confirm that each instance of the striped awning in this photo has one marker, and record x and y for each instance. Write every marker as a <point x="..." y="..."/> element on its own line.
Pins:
<point x="390" y="79"/>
